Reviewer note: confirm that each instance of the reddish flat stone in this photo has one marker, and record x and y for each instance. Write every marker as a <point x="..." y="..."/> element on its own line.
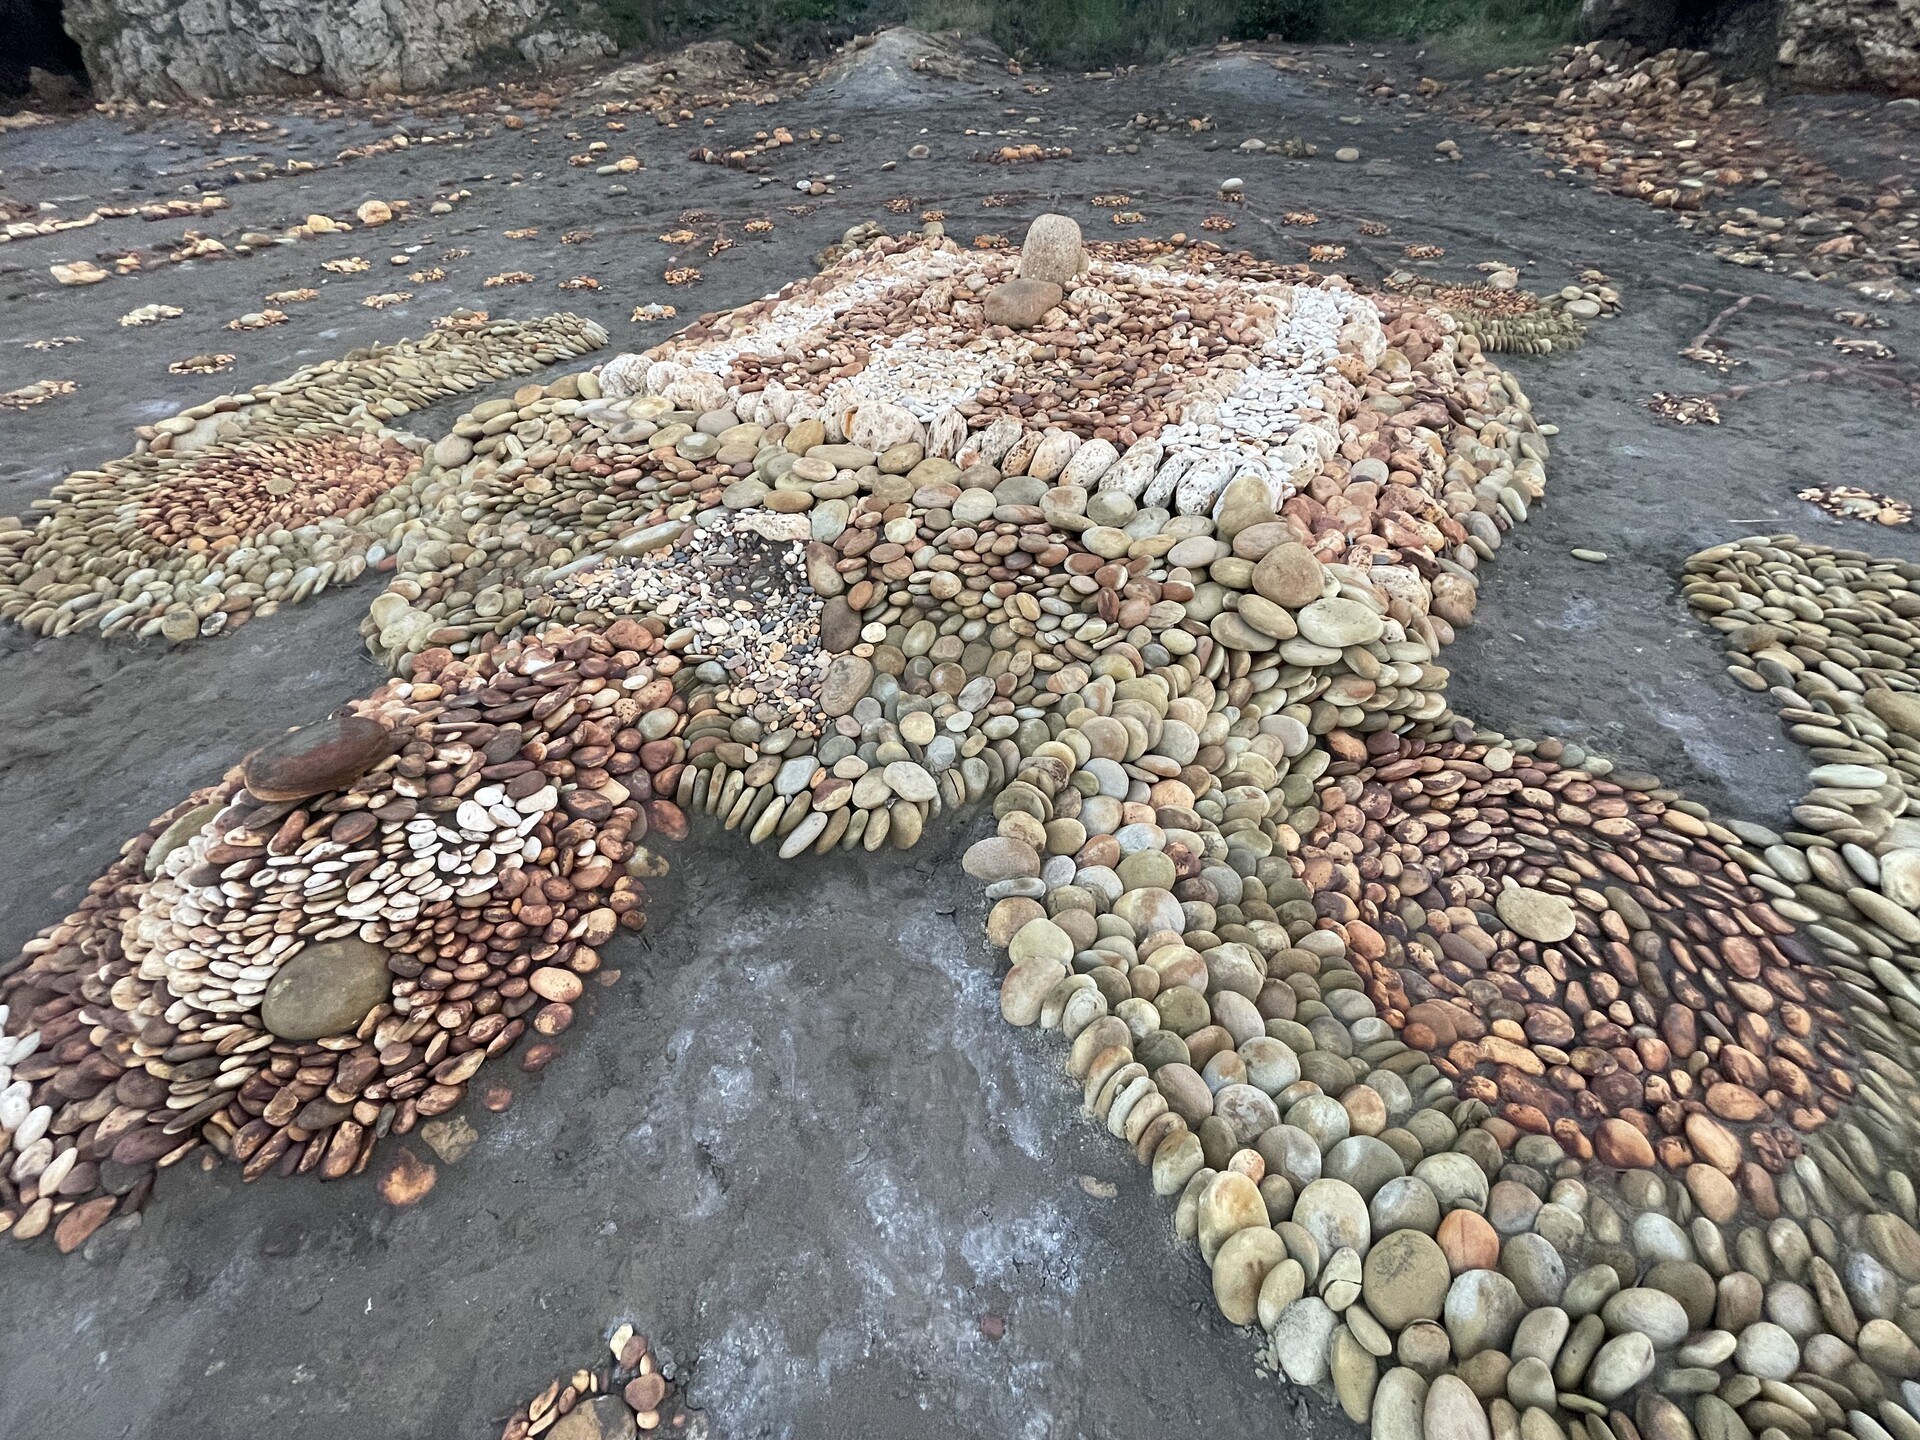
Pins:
<point x="328" y="755"/>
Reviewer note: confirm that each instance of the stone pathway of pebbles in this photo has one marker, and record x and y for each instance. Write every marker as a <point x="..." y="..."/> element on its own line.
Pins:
<point x="241" y="504"/>
<point x="1828" y="635"/>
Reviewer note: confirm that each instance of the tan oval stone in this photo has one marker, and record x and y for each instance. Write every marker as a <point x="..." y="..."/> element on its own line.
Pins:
<point x="1240" y="1268"/>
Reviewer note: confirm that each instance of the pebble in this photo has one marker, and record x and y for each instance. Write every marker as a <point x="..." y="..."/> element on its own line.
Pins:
<point x="325" y="989"/>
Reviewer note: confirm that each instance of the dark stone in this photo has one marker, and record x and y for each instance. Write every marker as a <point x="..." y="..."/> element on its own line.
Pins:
<point x="839" y="626"/>
<point x="321" y="1114"/>
<point x="314" y="759"/>
<point x="325" y="990"/>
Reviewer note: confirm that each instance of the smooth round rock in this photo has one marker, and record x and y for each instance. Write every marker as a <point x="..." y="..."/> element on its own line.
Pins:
<point x="1230" y="1203"/>
<point x="1482" y="1310"/>
<point x="1302" y="1337"/>
<point x="1623" y="1362"/>
<point x="1334" y="1213"/>
<point x="1364" y="1162"/>
<point x="325" y="989"/>
<point x="1338" y="623"/>
<point x="1767" y="1351"/>
<point x="1457" y="1181"/>
<point x="1454" y="1412"/>
<point x="1405" y="1279"/>
<point x="1536" y="914"/>
<point x="1404" y="1203"/>
<point x="327" y="755"/>
<point x="1653" y="1313"/>
<point x="1398" y="1403"/>
<point x="1240" y="1269"/>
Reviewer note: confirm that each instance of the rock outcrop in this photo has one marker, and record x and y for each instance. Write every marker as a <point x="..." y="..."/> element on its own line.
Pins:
<point x="1848" y="44"/>
<point x="167" y="49"/>
<point x="1816" y="44"/>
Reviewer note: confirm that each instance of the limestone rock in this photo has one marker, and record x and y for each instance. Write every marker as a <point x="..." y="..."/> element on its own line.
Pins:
<point x="264" y="47"/>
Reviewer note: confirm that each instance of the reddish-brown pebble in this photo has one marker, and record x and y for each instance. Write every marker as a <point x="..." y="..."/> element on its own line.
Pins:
<point x="1468" y="1241"/>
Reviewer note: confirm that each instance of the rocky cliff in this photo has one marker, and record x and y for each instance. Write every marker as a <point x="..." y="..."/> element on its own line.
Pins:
<point x="170" y="49"/>
<point x="1816" y="44"/>
<point x="1842" y="44"/>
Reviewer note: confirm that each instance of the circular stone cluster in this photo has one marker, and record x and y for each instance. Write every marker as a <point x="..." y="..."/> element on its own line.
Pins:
<point x="1583" y="955"/>
<point x="251" y="501"/>
<point x="1449" y="1271"/>
<point x="639" y="1391"/>
<point x="326" y="946"/>
<point x="1196" y="454"/>
<point x="1505" y="319"/>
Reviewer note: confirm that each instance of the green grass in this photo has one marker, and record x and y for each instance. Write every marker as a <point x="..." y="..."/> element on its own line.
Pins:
<point x="773" y="22"/>
<point x="1489" y="32"/>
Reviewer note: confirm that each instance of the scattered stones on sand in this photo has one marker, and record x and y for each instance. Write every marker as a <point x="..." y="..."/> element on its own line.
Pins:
<point x="1850" y="502"/>
<point x="37" y="392"/>
<point x="1671" y="131"/>
<point x="242" y="504"/>
<point x="638" y="1390"/>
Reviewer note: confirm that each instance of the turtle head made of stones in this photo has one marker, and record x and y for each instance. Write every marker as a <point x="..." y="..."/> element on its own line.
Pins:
<point x="322" y="988"/>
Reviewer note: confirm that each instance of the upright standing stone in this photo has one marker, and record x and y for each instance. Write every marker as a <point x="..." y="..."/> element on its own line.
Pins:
<point x="1052" y="250"/>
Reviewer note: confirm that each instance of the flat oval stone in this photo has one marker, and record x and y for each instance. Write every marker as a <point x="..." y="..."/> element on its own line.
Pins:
<point x="1337" y="622"/>
<point x="1536" y="914"/>
<point x="326" y="989"/>
<point x="177" y="834"/>
<point x="327" y="755"/>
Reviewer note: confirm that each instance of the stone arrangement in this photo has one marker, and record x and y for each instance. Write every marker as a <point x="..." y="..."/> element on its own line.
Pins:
<point x="1508" y="1092"/>
<point x="1828" y="635"/>
<point x="639" y="1391"/>
<point x="1850" y="502"/>
<point x="1630" y="967"/>
<point x="991" y="475"/>
<point x="242" y="504"/>
<point x="1506" y="319"/>
<point x="324" y="947"/>
<point x="1238" y="989"/>
<point x="1412" y="1020"/>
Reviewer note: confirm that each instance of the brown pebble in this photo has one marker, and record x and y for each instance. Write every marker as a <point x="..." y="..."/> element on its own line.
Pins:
<point x="79" y="1223"/>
